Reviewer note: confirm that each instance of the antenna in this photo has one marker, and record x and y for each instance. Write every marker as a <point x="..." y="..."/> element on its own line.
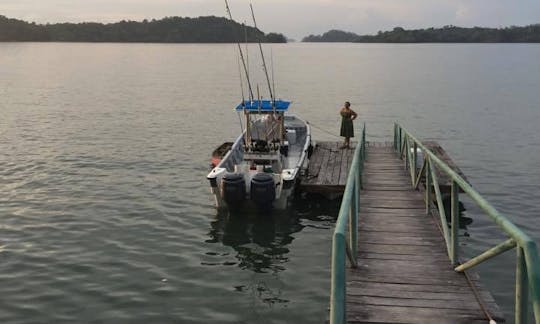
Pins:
<point x="241" y="54"/>
<point x="263" y="60"/>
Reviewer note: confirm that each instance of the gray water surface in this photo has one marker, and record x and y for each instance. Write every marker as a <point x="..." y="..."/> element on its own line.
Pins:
<point x="105" y="213"/>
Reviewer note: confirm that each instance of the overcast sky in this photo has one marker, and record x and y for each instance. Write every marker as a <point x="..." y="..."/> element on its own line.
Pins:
<point x="294" y="18"/>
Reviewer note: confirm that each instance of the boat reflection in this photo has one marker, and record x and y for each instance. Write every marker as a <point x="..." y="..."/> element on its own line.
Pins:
<point x="261" y="240"/>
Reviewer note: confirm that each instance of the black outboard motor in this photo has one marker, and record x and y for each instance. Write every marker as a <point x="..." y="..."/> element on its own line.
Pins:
<point x="263" y="189"/>
<point x="233" y="189"/>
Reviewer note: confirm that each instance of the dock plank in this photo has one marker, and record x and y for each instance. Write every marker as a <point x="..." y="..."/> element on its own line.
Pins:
<point x="324" y="165"/>
<point x="336" y="170"/>
<point x="314" y="165"/>
<point x="400" y="314"/>
<point x="345" y="164"/>
<point x="335" y="155"/>
<point x="328" y="169"/>
<point x="404" y="274"/>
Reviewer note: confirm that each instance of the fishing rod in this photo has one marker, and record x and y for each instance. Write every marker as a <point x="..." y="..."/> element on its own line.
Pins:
<point x="263" y="60"/>
<point x="259" y="102"/>
<point x="272" y="68"/>
<point x="243" y="100"/>
<point x="246" y="44"/>
<point x="241" y="82"/>
<point x="241" y="55"/>
<point x="275" y="93"/>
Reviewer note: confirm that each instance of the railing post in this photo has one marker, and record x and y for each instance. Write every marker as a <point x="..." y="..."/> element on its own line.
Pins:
<point x="454" y="252"/>
<point x="353" y="221"/>
<point x="522" y="291"/>
<point x="406" y="148"/>
<point x="428" y="183"/>
<point x="415" y="147"/>
<point x="360" y="169"/>
<point x="337" y="295"/>
<point x="364" y="141"/>
<point x="400" y="140"/>
<point x="395" y="136"/>
<point x="361" y="160"/>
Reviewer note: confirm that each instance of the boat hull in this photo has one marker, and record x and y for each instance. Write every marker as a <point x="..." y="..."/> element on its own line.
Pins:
<point x="294" y="158"/>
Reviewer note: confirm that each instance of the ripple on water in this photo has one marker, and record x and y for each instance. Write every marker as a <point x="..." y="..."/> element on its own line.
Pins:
<point x="105" y="213"/>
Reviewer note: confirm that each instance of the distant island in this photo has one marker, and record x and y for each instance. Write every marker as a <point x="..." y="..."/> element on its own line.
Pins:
<point x="446" y="34"/>
<point x="209" y="29"/>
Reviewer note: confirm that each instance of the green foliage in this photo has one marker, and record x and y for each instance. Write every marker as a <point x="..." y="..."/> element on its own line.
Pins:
<point x="275" y="38"/>
<point x="446" y="34"/>
<point x="167" y="30"/>
<point x="13" y="29"/>
<point x="332" y="36"/>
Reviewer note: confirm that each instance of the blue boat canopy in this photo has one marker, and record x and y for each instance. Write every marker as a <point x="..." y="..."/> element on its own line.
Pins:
<point x="265" y="105"/>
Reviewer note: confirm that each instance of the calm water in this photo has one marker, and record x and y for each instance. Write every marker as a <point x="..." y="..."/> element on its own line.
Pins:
<point x="105" y="214"/>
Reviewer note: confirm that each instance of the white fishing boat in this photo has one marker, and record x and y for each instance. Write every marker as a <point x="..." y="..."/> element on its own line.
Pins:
<point x="263" y="166"/>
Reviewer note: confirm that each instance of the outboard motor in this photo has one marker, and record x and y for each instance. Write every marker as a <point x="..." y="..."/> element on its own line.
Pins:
<point x="263" y="189"/>
<point x="233" y="189"/>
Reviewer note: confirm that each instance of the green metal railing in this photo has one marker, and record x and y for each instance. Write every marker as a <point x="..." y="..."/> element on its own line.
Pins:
<point x="528" y="261"/>
<point x="341" y="246"/>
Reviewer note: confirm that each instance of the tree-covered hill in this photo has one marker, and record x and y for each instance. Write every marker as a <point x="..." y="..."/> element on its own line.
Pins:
<point x="333" y="35"/>
<point x="446" y="34"/>
<point x="167" y="30"/>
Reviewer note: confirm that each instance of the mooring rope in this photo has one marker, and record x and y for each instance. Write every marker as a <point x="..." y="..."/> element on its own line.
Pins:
<point x="323" y="130"/>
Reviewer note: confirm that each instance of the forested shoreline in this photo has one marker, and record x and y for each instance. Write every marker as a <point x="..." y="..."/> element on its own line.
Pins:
<point x="208" y="29"/>
<point x="446" y="34"/>
<point x="211" y="29"/>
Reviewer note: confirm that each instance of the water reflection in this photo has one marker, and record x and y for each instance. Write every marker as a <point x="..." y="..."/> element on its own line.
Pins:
<point x="464" y="221"/>
<point x="262" y="245"/>
<point x="261" y="240"/>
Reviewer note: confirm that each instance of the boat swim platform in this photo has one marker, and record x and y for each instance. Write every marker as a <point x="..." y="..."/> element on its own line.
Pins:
<point x="329" y="165"/>
<point x="403" y="273"/>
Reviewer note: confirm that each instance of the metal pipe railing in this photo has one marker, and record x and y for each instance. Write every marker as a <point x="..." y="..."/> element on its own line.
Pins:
<point x="527" y="259"/>
<point x="347" y="218"/>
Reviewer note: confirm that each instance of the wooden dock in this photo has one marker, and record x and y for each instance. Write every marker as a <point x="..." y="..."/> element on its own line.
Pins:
<point x="328" y="168"/>
<point x="404" y="274"/>
<point x="444" y="181"/>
